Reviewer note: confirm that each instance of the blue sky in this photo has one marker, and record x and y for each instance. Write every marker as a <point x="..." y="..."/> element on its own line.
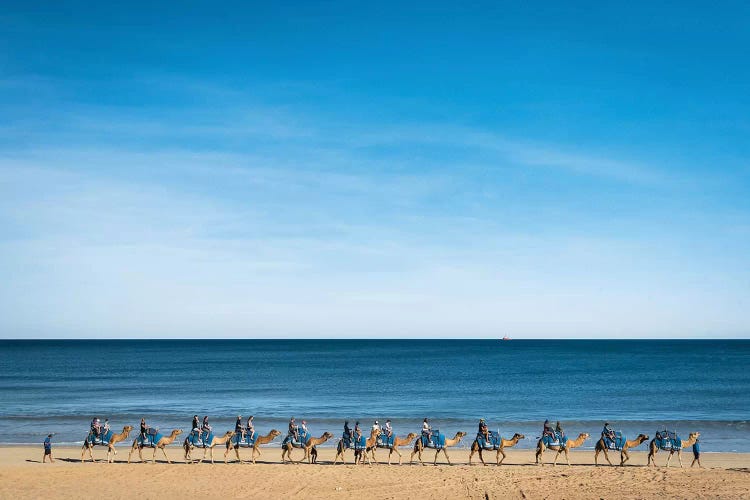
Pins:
<point x="341" y="169"/>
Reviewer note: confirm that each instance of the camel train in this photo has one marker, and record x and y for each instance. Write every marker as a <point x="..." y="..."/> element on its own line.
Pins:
<point x="365" y="448"/>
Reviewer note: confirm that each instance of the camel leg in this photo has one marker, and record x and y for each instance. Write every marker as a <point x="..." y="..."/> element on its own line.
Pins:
<point x="212" y="454"/>
<point x="669" y="457"/>
<point x="679" y="457"/>
<point x="414" y="452"/>
<point x="539" y="453"/>
<point x="131" y="452"/>
<point x="445" y="452"/>
<point x="567" y="457"/>
<point x="606" y="455"/>
<point x="500" y="451"/>
<point x="164" y="450"/>
<point x="624" y="457"/>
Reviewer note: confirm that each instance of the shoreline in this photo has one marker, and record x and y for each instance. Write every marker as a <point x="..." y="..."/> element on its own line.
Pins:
<point x="726" y="475"/>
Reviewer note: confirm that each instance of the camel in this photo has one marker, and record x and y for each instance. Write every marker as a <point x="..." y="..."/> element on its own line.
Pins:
<point x="624" y="456"/>
<point x="256" y="445"/>
<point x="418" y="447"/>
<point x="653" y="449"/>
<point x="369" y="443"/>
<point x="215" y="441"/>
<point x="572" y="443"/>
<point x="504" y="443"/>
<point x="397" y="441"/>
<point x="286" y="451"/>
<point x="113" y="439"/>
<point x="159" y="445"/>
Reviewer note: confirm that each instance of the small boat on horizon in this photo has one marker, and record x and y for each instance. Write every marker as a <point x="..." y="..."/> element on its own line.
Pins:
<point x="506" y="338"/>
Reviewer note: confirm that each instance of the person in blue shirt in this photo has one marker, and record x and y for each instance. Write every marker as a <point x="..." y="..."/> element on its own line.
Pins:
<point x="697" y="454"/>
<point x="48" y="449"/>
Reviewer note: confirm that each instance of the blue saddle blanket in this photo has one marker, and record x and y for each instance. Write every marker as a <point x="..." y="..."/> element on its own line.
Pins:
<point x="102" y="439"/>
<point x="437" y="440"/>
<point x="153" y="436"/>
<point x="385" y="441"/>
<point x="559" y="440"/>
<point x="615" y="444"/>
<point x="248" y="440"/>
<point x="201" y="439"/>
<point x="296" y="443"/>
<point x="668" y="440"/>
<point x="493" y="443"/>
<point x="354" y="442"/>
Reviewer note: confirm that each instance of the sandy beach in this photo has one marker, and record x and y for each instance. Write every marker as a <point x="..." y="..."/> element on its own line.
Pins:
<point x="726" y="475"/>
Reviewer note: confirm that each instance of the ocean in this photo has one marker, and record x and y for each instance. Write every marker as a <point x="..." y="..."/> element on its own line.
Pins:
<point x="639" y="386"/>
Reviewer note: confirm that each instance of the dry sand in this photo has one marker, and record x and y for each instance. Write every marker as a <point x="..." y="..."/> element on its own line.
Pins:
<point x="726" y="475"/>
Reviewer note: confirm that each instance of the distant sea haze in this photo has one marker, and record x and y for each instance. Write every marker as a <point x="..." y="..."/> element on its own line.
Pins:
<point x="639" y="386"/>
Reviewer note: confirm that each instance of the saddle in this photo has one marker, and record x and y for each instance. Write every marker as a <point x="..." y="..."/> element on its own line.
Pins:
<point x="102" y="439"/>
<point x="386" y="442"/>
<point x="559" y="440"/>
<point x="200" y="439"/>
<point x="296" y="443"/>
<point x="493" y="443"/>
<point x="152" y="437"/>
<point x="249" y="438"/>
<point x="437" y="440"/>
<point x="615" y="444"/>
<point x="668" y="440"/>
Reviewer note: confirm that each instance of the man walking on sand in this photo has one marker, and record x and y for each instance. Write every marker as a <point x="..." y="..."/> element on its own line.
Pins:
<point x="697" y="454"/>
<point x="48" y="449"/>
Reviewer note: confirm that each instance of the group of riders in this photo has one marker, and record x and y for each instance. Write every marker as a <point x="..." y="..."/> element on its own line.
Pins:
<point x="100" y="429"/>
<point x="355" y="434"/>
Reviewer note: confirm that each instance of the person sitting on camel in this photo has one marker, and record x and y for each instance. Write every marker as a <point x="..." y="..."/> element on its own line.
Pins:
<point x="548" y="431"/>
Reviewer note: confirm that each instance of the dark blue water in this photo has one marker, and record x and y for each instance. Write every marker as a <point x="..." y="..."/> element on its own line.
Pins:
<point x="639" y="386"/>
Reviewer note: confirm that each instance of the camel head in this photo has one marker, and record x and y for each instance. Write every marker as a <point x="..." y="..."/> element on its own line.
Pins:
<point x="584" y="436"/>
<point x="411" y="436"/>
<point x="327" y="435"/>
<point x="641" y="438"/>
<point x="229" y="434"/>
<point x="518" y="436"/>
<point x="460" y="435"/>
<point x="274" y="433"/>
<point x="176" y="433"/>
<point x="127" y="429"/>
<point x="375" y="433"/>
